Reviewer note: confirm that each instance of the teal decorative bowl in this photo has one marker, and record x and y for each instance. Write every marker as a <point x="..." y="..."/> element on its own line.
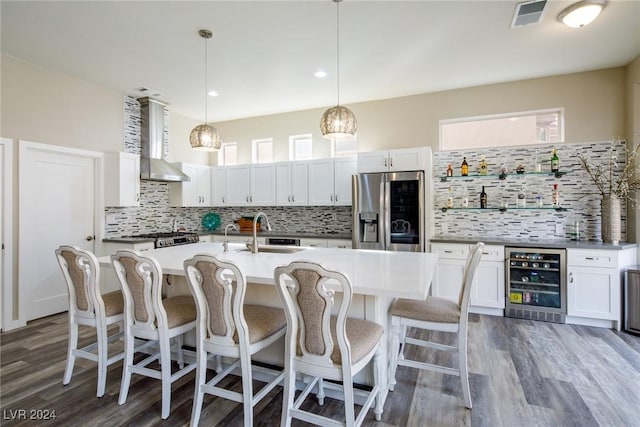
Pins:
<point x="211" y="221"/>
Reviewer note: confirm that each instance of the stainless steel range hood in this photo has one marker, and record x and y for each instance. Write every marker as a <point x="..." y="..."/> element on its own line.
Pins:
<point x="153" y="167"/>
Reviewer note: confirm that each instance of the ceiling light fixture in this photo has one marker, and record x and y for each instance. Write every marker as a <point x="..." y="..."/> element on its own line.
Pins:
<point x="204" y="137"/>
<point x="338" y="122"/>
<point x="321" y="74"/>
<point x="582" y="13"/>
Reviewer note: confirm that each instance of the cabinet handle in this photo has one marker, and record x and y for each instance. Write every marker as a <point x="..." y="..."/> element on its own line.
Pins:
<point x="385" y="163"/>
<point x="570" y="277"/>
<point x="222" y="199"/>
<point x="336" y="198"/>
<point x="251" y="197"/>
<point x="293" y="198"/>
<point x="137" y="197"/>
<point x="590" y="258"/>
<point x="448" y="252"/>
<point x="391" y="162"/>
<point x="289" y="198"/>
<point x="331" y="197"/>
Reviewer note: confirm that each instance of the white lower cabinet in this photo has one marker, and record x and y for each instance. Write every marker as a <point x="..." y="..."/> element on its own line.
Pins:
<point x="313" y="243"/>
<point x="339" y="244"/>
<point x="487" y="292"/>
<point x="594" y="284"/>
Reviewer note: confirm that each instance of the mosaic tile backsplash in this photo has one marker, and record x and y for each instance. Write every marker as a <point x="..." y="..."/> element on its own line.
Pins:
<point x="154" y="213"/>
<point x="577" y="194"/>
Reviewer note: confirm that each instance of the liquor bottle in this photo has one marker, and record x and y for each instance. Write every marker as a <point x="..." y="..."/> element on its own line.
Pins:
<point x="465" y="198"/>
<point x="449" y="170"/>
<point x="555" y="162"/>
<point x="483" y="165"/>
<point x="483" y="199"/>
<point x="464" y="168"/>
<point x="555" y="198"/>
<point x="450" y="199"/>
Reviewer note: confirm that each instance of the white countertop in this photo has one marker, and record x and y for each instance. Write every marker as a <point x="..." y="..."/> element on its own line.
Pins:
<point x="375" y="273"/>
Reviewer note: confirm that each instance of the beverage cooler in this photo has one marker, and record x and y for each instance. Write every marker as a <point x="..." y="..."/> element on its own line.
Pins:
<point x="536" y="284"/>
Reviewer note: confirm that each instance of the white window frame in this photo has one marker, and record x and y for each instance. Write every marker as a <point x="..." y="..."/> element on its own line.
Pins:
<point x="443" y="146"/>
<point x="222" y="153"/>
<point x="293" y="139"/>
<point x="344" y="153"/>
<point x="255" y="143"/>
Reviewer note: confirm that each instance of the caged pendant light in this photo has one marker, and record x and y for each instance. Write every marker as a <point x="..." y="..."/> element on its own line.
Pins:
<point x="338" y="122"/>
<point x="204" y="137"/>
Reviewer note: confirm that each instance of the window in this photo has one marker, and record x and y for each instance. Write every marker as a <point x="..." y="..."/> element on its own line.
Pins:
<point x="262" y="150"/>
<point x="228" y="154"/>
<point x="500" y="130"/>
<point x="347" y="147"/>
<point x="300" y="147"/>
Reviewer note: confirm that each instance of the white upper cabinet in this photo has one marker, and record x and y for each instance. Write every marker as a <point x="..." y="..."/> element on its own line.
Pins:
<point x="250" y="185"/>
<point x="218" y="186"/>
<point x="405" y="159"/>
<point x="330" y="181"/>
<point x="196" y="192"/>
<point x="122" y="179"/>
<point x="292" y="180"/>
<point x="263" y="184"/>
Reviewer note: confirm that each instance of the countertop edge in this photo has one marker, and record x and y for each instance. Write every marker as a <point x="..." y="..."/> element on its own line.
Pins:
<point x="285" y="235"/>
<point x="551" y="244"/>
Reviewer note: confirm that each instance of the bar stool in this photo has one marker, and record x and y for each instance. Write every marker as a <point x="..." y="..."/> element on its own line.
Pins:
<point x="435" y="314"/>
<point x="226" y="327"/>
<point x="310" y="343"/>
<point x="87" y="306"/>
<point x="147" y="316"/>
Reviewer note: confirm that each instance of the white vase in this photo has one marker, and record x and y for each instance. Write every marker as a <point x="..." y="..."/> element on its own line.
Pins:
<point x="611" y="227"/>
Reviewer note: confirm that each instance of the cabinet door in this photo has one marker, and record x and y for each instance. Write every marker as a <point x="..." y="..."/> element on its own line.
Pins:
<point x="344" y="169"/>
<point x="122" y="179"/>
<point x="593" y="292"/>
<point x="321" y="191"/>
<point x="300" y="184"/>
<point x="447" y="279"/>
<point x="313" y="243"/>
<point x="204" y="186"/>
<point x="407" y="159"/>
<point x="218" y="186"/>
<point x="373" y="161"/>
<point x="339" y="244"/>
<point x="284" y="191"/>
<point x="488" y="285"/>
<point x="238" y="185"/>
<point x="263" y="185"/>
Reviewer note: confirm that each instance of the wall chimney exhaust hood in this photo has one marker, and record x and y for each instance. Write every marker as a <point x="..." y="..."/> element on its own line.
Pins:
<point x="153" y="167"/>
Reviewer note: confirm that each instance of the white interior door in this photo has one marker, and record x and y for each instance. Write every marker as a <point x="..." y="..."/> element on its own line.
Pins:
<point x="3" y="189"/>
<point x="57" y="206"/>
<point x="6" y="235"/>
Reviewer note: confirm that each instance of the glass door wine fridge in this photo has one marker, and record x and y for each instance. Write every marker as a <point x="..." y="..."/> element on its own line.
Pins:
<point x="536" y="284"/>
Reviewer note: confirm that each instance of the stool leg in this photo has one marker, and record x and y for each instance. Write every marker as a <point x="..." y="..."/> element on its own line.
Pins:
<point x="72" y="346"/>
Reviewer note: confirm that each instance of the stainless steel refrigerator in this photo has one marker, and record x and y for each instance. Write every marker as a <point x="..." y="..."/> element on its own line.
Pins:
<point x="388" y="211"/>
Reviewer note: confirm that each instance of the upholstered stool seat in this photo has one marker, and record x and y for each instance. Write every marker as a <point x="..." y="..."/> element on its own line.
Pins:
<point x="433" y="309"/>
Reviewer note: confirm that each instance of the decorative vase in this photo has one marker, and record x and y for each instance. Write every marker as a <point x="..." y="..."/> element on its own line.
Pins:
<point x="611" y="229"/>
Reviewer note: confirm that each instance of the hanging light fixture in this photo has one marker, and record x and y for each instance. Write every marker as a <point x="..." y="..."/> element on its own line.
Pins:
<point x="204" y="137"/>
<point x="338" y="122"/>
<point x="582" y="13"/>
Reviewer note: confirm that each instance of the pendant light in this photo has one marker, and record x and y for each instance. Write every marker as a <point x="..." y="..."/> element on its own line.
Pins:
<point x="204" y="137"/>
<point x="338" y="122"/>
<point x="582" y="13"/>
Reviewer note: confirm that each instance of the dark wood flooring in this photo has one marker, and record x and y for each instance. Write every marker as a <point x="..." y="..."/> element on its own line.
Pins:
<point x="523" y="373"/>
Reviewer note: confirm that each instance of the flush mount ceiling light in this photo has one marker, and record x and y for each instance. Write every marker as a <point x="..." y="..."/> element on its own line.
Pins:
<point x="582" y="13"/>
<point x="338" y="122"/>
<point x="204" y="137"/>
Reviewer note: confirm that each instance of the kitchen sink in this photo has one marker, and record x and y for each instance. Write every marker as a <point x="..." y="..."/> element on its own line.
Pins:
<point x="276" y="249"/>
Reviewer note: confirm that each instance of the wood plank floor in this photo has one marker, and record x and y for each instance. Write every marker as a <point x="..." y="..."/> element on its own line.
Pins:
<point x="523" y="373"/>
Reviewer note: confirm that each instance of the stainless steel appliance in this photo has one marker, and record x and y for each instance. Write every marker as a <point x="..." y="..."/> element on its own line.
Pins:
<point x="632" y="300"/>
<point x="174" y="238"/>
<point x="388" y="211"/>
<point x="279" y="241"/>
<point x="536" y="284"/>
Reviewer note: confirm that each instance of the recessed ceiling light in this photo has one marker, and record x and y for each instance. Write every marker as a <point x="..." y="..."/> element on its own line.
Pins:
<point x="212" y="93"/>
<point x="321" y="74"/>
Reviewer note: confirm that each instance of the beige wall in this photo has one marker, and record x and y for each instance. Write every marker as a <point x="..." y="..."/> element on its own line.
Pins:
<point x="594" y="104"/>
<point x="632" y="88"/>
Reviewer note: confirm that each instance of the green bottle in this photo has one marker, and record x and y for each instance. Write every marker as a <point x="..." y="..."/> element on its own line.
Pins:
<point x="555" y="162"/>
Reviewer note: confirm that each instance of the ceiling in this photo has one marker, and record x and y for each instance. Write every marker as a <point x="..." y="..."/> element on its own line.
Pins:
<point x="264" y="53"/>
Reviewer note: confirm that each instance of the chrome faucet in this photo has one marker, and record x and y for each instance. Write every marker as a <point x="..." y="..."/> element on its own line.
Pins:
<point x="254" y="248"/>
<point x="225" y="244"/>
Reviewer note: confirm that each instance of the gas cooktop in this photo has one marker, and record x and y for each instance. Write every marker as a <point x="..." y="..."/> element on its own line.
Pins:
<point x="172" y="238"/>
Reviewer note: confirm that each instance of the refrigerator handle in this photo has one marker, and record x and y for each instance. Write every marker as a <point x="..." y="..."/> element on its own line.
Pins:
<point x="386" y="213"/>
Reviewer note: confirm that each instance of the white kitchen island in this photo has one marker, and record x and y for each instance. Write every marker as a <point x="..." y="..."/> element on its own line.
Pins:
<point x="377" y="277"/>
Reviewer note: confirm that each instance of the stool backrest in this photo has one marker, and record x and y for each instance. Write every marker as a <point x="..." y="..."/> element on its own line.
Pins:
<point x="81" y="271"/>
<point x="470" y="269"/>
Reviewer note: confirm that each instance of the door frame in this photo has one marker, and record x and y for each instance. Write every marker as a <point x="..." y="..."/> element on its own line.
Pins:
<point x="23" y="174"/>
<point x="7" y="322"/>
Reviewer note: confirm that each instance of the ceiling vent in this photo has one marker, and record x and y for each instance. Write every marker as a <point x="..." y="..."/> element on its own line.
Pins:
<point x="529" y="12"/>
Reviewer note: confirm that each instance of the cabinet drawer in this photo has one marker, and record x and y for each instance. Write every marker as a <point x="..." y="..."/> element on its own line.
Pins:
<point x="588" y="258"/>
<point x="492" y="253"/>
<point x="450" y="251"/>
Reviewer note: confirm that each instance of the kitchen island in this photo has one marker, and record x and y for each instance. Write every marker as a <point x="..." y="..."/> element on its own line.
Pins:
<point x="377" y="277"/>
